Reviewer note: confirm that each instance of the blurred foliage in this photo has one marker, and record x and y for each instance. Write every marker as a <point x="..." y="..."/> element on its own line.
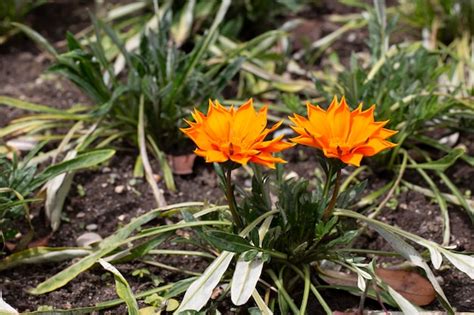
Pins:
<point x="448" y="18"/>
<point x="14" y="11"/>
<point x="171" y="80"/>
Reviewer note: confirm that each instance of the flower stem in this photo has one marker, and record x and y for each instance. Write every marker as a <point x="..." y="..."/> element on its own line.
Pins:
<point x="332" y="203"/>
<point x="231" y="199"/>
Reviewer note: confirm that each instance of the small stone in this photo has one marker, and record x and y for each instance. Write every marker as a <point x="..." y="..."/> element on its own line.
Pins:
<point x="87" y="239"/>
<point x="121" y="217"/>
<point x="119" y="189"/>
<point x="80" y="215"/>
<point x="103" y="185"/>
<point x="91" y="227"/>
<point x="291" y="175"/>
<point x="106" y="170"/>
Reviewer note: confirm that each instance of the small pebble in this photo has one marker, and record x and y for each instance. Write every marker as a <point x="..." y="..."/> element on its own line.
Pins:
<point x="87" y="239"/>
<point x="119" y="189"/>
<point x="291" y="175"/>
<point x="80" y="215"/>
<point x="104" y="185"/>
<point x="121" y="217"/>
<point x="91" y="227"/>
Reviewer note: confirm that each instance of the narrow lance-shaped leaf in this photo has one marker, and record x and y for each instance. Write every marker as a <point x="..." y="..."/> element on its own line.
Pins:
<point x="6" y="308"/>
<point x="56" y="192"/>
<point x="246" y="276"/>
<point x="37" y="38"/>
<point x="443" y="163"/>
<point x="83" y="160"/>
<point x="123" y="288"/>
<point x="106" y="246"/>
<point x="200" y="291"/>
<point x="247" y="273"/>
<point x="38" y="255"/>
<point x="182" y="29"/>
<point x="410" y="253"/>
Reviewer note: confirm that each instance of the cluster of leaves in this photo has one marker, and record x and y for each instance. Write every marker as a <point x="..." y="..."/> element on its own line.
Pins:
<point x="19" y="180"/>
<point x="449" y="18"/>
<point x="16" y="182"/>
<point x="284" y="234"/>
<point x="170" y="80"/>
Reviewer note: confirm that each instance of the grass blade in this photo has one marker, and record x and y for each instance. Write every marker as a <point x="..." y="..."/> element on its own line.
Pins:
<point x="37" y="38"/>
<point x="38" y="255"/>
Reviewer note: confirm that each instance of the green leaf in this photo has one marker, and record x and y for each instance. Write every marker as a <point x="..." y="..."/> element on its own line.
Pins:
<point x="6" y="308"/>
<point x="200" y="49"/>
<point x="435" y="144"/>
<point x="443" y="163"/>
<point x="410" y="253"/>
<point x="83" y="160"/>
<point x="57" y="189"/>
<point x="106" y="246"/>
<point x="123" y="288"/>
<point x="181" y="30"/>
<point x="459" y="196"/>
<point x="200" y="291"/>
<point x="37" y="38"/>
<point x="38" y="255"/>
<point x="464" y="263"/>
<point x="229" y="242"/>
<point x="245" y="278"/>
<point x="406" y="306"/>
<point x="17" y="103"/>
<point x="402" y="247"/>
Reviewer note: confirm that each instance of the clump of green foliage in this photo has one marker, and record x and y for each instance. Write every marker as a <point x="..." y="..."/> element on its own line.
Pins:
<point x="20" y="180"/>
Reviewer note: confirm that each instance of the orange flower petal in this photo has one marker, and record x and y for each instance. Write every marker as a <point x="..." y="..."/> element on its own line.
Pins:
<point x="342" y="134"/>
<point x="235" y="134"/>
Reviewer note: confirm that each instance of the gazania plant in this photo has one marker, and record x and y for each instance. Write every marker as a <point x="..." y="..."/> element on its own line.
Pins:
<point x="287" y="237"/>
<point x="278" y="245"/>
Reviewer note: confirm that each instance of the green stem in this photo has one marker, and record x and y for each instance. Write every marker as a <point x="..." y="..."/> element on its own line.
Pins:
<point x="315" y="291"/>
<point x="231" y="199"/>
<point x="307" y="283"/>
<point x="332" y="203"/>
<point x="328" y="182"/>
<point x="282" y="291"/>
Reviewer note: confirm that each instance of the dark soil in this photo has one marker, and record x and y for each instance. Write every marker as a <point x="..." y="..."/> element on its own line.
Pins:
<point x="95" y="200"/>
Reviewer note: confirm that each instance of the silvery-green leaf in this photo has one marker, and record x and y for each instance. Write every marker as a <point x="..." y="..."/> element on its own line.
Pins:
<point x="182" y="29"/>
<point x="410" y="253"/>
<point x="406" y="306"/>
<point x="261" y="303"/>
<point x="122" y="288"/>
<point x="6" y="308"/>
<point x="464" y="263"/>
<point x="56" y="191"/>
<point x="361" y="282"/>
<point x="245" y="279"/>
<point x="200" y="291"/>
<point x="436" y="258"/>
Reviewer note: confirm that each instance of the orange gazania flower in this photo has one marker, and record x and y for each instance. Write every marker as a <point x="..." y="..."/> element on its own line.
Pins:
<point x="237" y="135"/>
<point x="342" y="134"/>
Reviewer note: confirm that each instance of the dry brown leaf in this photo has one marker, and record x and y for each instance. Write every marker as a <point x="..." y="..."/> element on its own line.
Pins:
<point x="410" y="284"/>
<point x="41" y="242"/>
